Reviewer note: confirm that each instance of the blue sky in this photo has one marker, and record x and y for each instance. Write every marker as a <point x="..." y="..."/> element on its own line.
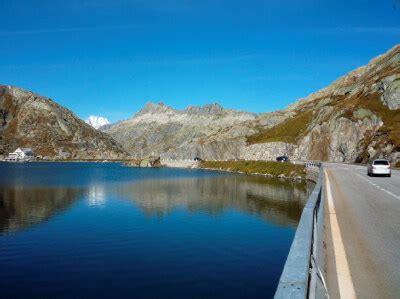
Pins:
<point x="109" y="58"/>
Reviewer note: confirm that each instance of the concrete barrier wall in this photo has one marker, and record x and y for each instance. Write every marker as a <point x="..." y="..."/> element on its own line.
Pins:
<point x="179" y="163"/>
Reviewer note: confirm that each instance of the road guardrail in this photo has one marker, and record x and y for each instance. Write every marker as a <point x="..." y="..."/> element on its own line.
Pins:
<point x="303" y="273"/>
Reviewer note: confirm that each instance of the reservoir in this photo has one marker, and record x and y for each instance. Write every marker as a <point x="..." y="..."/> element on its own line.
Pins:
<point x="102" y="230"/>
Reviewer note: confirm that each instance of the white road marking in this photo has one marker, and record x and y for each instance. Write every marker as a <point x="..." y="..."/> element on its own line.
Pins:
<point x="370" y="182"/>
<point x="379" y="187"/>
<point x="345" y="282"/>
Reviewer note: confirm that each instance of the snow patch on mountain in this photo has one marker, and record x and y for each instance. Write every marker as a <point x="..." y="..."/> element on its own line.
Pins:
<point x="97" y="121"/>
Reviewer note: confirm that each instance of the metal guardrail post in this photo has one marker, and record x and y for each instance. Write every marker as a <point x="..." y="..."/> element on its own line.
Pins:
<point x="302" y="276"/>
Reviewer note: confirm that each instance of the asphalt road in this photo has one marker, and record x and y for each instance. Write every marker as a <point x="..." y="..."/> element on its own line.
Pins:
<point x="368" y="216"/>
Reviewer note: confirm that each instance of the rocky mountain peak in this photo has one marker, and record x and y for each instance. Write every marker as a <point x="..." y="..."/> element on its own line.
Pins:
<point x="154" y="108"/>
<point x="159" y="128"/>
<point x="51" y="130"/>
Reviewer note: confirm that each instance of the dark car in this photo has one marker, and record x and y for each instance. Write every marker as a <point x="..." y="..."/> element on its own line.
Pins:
<point x="282" y="159"/>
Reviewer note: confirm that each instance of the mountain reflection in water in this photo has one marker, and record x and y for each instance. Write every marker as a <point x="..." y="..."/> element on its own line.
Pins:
<point x="275" y="200"/>
<point x="22" y="207"/>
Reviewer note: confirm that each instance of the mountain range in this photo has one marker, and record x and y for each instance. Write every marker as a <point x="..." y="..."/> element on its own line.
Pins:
<point x="354" y="119"/>
<point x="158" y="128"/>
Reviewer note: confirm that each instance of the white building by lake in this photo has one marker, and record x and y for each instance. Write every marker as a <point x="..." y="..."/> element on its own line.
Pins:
<point x="21" y="154"/>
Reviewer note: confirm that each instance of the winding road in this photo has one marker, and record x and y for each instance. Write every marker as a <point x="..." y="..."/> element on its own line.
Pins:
<point x="362" y="235"/>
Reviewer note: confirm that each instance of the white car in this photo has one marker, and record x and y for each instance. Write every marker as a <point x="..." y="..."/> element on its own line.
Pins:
<point x="379" y="167"/>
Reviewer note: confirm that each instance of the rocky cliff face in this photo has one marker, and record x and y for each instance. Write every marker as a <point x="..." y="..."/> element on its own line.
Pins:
<point x="230" y="142"/>
<point x="30" y="120"/>
<point x="355" y="119"/>
<point x="158" y="128"/>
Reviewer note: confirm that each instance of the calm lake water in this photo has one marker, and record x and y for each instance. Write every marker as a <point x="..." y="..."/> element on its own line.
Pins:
<point x="74" y="230"/>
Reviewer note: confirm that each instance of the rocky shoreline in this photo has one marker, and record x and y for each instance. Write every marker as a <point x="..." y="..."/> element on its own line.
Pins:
<point x="285" y="170"/>
<point x="281" y="176"/>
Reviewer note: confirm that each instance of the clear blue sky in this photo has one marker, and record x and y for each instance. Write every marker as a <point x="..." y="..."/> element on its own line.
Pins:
<point x="109" y="58"/>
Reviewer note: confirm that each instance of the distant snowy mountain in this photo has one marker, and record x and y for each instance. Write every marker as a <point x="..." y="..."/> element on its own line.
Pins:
<point x="97" y="121"/>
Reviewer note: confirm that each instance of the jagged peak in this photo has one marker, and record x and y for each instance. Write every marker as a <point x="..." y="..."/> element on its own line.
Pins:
<point x="205" y="110"/>
<point x="154" y="108"/>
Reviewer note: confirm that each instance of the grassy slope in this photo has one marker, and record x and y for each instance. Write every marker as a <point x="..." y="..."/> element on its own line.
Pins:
<point x="262" y="167"/>
<point x="293" y="128"/>
<point x="391" y="118"/>
<point x="288" y="131"/>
